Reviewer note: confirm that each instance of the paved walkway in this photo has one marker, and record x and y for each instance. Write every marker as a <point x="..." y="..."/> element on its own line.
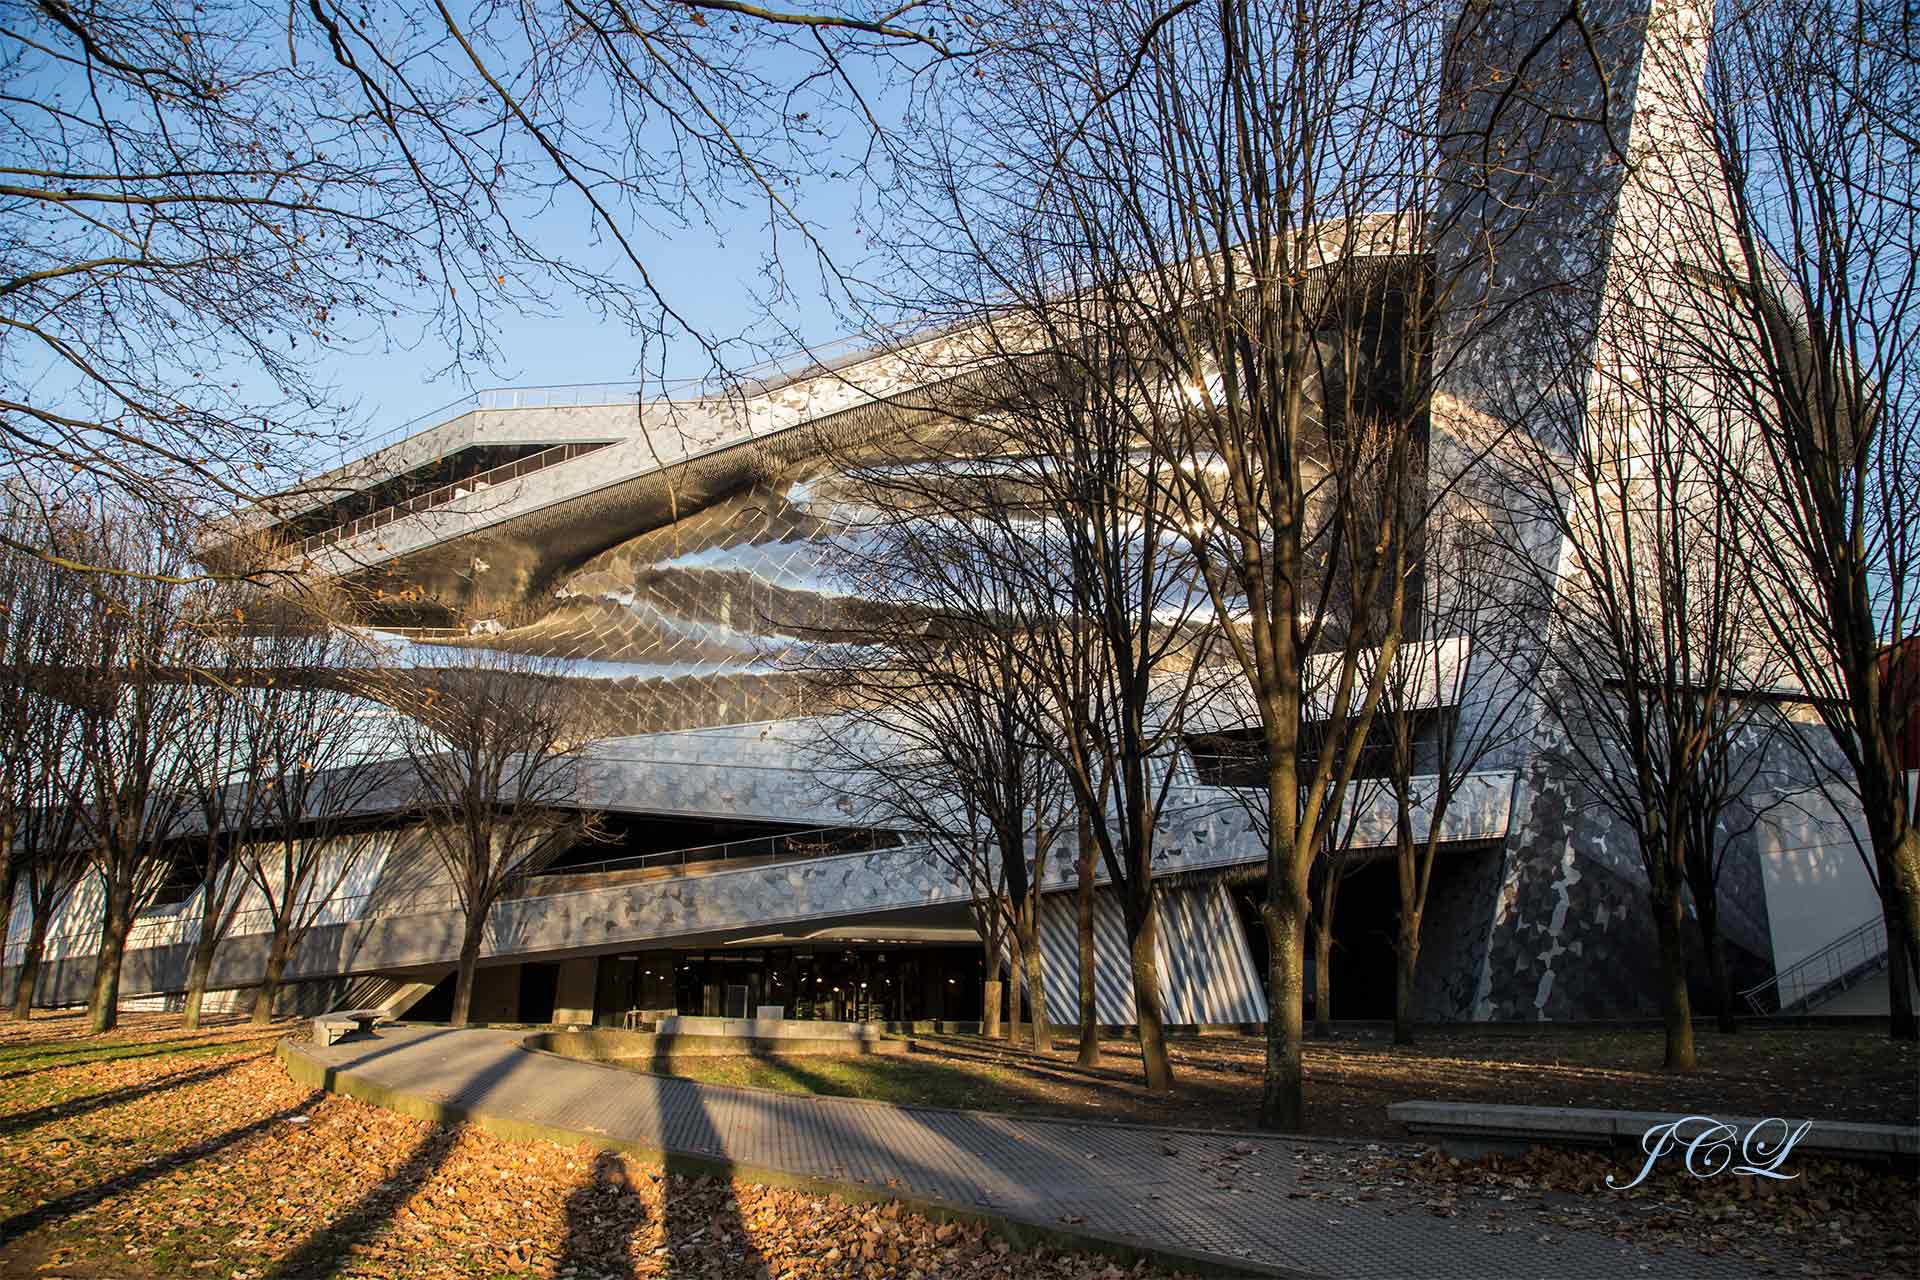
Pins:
<point x="1245" y="1200"/>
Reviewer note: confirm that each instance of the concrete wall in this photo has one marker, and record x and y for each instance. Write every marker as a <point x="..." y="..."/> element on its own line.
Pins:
<point x="1817" y="886"/>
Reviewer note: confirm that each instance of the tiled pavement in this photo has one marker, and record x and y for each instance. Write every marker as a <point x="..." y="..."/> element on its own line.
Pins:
<point x="1162" y="1187"/>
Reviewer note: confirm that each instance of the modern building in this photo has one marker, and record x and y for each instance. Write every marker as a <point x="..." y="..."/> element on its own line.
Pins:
<point x="663" y="551"/>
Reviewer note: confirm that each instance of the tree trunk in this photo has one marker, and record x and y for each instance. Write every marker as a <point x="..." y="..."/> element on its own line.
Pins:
<point x="1322" y="980"/>
<point x="469" y="965"/>
<point x="1032" y="965"/>
<point x="1083" y="910"/>
<point x="1151" y="1030"/>
<point x="1896" y="848"/>
<point x="1675" y="1010"/>
<point x="1016" y="990"/>
<point x="197" y="975"/>
<point x="990" y="987"/>
<point x="213" y="915"/>
<point x="1407" y="955"/>
<point x="1900" y="992"/>
<point x="269" y="993"/>
<point x="1323" y="949"/>
<point x="1406" y="948"/>
<point x="28" y="975"/>
<point x="8" y="881"/>
<point x="103" y="1005"/>
<point x="1724" y="1013"/>
<point x="1282" y="1098"/>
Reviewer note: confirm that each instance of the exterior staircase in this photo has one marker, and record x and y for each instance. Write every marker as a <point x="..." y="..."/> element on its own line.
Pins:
<point x="1855" y="957"/>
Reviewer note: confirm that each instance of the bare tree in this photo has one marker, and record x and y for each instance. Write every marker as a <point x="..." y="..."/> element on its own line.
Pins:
<point x="937" y="713"/>
<point x="199" y="189"/>
<point x="130" y="651"/>
<point x="1736" y="785"/>
<point x="1258" y="197"/>
<point x="51" y="854"/>
<point x="1118" y="628"/>
<point x="53" y="861"/>
<point x="1806" y="283"/>
<point x="1304" y="340"/>
<point x="1454" y="699"/>
<point x="494" y="749"/>
<point x="1086" y="851"/>
<point x="221" y="777"/>
<point x="1656" y="663"/>
<point x="25" y="602"/>
<point x="1239" y="763"/>
<point x="40" y="758"/>
<point x="933" y="761"/>
<point x="1329" y="873"/>
<point x="286" y="754"/>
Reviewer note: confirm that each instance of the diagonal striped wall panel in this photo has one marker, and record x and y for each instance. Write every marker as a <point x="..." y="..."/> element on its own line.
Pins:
<point x="1206" y="971"/>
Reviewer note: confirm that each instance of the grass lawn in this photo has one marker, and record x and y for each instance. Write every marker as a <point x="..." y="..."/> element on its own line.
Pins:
<point x="154" y="1153"/>
<point x="1817" y="1074"/>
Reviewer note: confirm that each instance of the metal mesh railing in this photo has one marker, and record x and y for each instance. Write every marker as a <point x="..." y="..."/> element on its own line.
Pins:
<point x="752" y="380"/>
<point x="180" y="927"/>
<point x="792" y="846"/>
<point x="447" y="493"/>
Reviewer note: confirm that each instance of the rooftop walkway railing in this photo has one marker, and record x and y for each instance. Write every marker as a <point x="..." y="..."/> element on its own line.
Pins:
<point x="762" y="376"/>
<point x="447" y="493"/>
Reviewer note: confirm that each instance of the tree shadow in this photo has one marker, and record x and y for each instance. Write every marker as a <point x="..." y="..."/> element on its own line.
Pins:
<point x="700" y="1213"/>
<point x="56" y="1062"/>
<point x="379" y="1047"/>
<point x="936" y="1151"/>
<point x="328" y="1250"/>
<point x="603" y="1217"/>
<point x="704" y="1228"/>
<point x="21" y="1121"/>
<point x="906" y="1081"/>
<point x="76" y="1201"/>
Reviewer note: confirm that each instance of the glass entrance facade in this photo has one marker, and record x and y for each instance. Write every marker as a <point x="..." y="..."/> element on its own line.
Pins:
<point x="866" y="982"/>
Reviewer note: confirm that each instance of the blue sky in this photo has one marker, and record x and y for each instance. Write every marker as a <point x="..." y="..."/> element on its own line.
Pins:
<point x="708" y="256"/>
<point x="715" y="277"/>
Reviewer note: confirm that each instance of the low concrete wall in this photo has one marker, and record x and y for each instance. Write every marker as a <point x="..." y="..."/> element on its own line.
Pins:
<point x="643" y="1050"/>
<point x="765" y="1028"/>
<point x="635" y="1048"/>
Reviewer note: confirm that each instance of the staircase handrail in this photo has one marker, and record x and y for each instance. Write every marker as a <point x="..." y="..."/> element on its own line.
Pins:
<point x="1864" y="941"/>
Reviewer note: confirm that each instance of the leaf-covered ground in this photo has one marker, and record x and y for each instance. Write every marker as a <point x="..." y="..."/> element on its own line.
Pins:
<point x="153" y="1152"/>
<point x="1828" y="1218"/>
<point x="1830" y="1074"/>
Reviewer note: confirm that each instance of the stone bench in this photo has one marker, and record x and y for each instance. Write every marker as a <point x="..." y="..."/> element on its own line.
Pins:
<point x="1469" y="1130"/>
<point x="331" y="1027"/>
